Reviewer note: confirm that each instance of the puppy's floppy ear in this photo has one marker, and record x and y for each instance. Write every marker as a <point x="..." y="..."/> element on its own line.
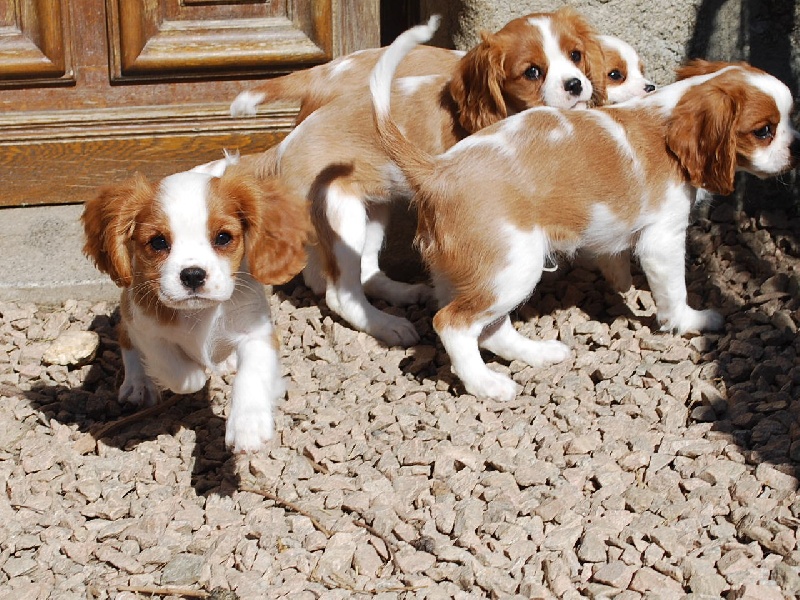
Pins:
<point x="108" y="223"/>
<point x="702" y="134"/>
<point x="477" y="86"/>
<point x="277" y="225"/>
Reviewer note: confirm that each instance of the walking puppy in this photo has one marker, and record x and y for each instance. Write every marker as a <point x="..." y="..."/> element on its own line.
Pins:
<point x="497" y="204"/>
<point x="335" y="159"/>
<point x="192" y="253"/>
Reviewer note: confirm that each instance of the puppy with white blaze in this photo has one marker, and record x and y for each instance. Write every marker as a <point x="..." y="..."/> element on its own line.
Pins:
<point x="192" y="254"/>
<point x="497" y="204"/>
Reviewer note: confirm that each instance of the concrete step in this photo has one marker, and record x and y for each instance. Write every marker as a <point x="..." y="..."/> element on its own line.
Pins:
<point x="41" y="259"/>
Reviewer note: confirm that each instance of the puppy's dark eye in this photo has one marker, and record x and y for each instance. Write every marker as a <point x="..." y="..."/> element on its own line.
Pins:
<point x="616" y="75"/>
<point x="533" y="73"/>
<point x="575" y="56"/>
<point x="159" y="243"/>
<point x="223" y="239"/>
<point x="764" y="133"/>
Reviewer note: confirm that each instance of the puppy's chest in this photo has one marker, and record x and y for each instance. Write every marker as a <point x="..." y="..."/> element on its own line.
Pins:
<point x="201" y="336"/>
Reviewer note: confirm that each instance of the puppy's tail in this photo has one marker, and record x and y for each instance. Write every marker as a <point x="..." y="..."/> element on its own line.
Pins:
<point x="291" y="88"/>
<point x="416" y="164"/>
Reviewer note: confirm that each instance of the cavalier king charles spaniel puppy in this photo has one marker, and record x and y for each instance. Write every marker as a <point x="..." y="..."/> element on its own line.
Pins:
<point x="334" y="157"/>
<point x="496" y="206"/>
<point x="192" y="254"/>
<point x="624" y="71"/>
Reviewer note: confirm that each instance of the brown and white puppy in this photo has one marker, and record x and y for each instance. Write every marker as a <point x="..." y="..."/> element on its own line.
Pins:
<point x="192" y="253"/>
<point x="624" y="80"/>
<point x="495" y="206"/>
<point x="624" y="71"/>
<point x="335" y="159"/>
<point x="343" y="76"/>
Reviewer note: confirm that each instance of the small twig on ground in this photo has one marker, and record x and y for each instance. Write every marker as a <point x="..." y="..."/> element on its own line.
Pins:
<point x="291" y="506"/>
<point x="164" y="591"/>
<point x="137" y="416"/>
<point x="391" y="547"/>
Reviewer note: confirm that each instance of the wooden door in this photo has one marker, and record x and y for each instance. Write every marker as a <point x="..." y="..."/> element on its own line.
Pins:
<point x="93" y="90"/>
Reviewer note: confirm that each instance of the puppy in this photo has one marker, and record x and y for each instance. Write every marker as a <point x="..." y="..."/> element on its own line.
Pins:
<point x="624" y="80"/>
<point x="494" y="207"/>
<point x="335" y="159"/>
<point x="343" y="76"/>
<point x="191" y="254"/>
<point x="624" y="71"/>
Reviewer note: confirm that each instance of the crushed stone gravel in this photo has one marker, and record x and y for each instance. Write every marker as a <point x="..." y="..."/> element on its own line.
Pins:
<point x="644" y="466"/>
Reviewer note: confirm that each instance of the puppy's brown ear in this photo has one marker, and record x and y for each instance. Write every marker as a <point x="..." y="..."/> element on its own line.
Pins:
<point x="277" y="225"/>
<point x="702" y="134"/>
<point x="477" y="86"/>
<point x="108" y="223"/>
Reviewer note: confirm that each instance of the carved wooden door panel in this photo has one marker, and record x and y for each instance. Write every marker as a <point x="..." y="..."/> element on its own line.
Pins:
<point x="93" y="90"/>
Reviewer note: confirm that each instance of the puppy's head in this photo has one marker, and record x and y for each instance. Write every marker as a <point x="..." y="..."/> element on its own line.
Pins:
<point x="543" y="59"/>
<point x="182" y="241"/>
<point x="732" y="118"/>
<point x="624" y="71"/>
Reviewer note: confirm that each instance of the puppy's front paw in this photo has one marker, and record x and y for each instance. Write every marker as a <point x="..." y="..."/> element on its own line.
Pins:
<point x="394" y="331"/>
<point x="193" y="380"/>
<point x="247" y="432"/>
<point x="694" y="320"/>
<point x="139" y="391"/>
<point x="548" y="352"/>
<point x="491" y="385"/>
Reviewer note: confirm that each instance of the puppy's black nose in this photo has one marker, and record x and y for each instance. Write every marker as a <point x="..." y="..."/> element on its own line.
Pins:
<point x="573" y="86"/>
<point x="649" y="88"/>
<point x="193" y="277"/>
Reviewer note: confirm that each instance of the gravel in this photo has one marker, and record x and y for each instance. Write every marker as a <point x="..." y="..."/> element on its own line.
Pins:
<point x="645" y="466"/>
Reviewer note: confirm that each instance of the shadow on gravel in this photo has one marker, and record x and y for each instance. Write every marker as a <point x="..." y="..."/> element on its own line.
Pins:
<point x="745" y="262"/>
<point x="94" y="408"/>
<point x="756" y="360"/>
<point x="757" y="357"/>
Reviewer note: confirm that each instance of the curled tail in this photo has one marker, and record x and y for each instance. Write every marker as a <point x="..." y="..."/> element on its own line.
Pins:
<point x="415" y="163"/>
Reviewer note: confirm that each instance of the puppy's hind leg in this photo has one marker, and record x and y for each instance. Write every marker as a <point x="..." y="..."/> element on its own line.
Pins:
<point x="345" y="295"/>
<point x="376" y="283"/>
<point x="461" y="343"/>
<point x="525" y="256"/>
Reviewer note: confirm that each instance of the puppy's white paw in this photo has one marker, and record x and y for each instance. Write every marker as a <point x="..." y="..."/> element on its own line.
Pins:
<point x="192" y="381"/>
<point x="228" y="365"/>
<point x="245" y="104"/>
<point x="398" y="293"/>
<point x="139" y="391"/>
<point x="247" y="432"/>
<point x="694" y="320"/>
<point x="550" y="351"/>
<point x="394" y="331"/>
<point x="314" y="279"/>
<point x="491" y="385"/>
<point x="417" y="293"/>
